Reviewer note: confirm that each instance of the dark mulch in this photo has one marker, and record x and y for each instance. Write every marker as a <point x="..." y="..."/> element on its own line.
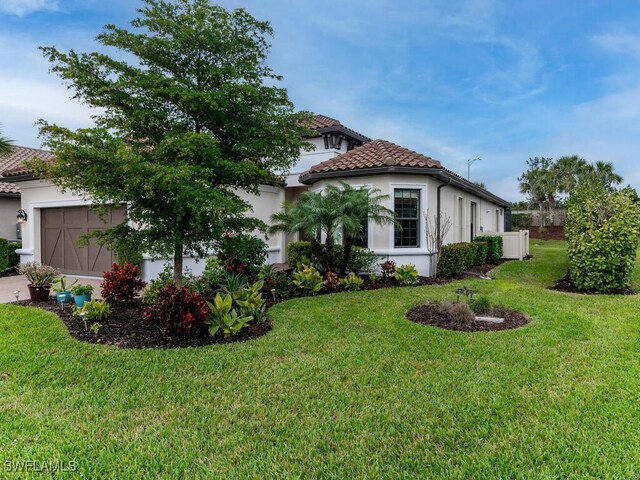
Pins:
<point x="565" y="284"/>
<point x="125" y="328"/>
<point x="549" y="233"/>
<point x="429" y="314"/>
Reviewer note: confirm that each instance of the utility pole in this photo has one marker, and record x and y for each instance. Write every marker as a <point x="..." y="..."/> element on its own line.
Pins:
<point x="469" y="163"/>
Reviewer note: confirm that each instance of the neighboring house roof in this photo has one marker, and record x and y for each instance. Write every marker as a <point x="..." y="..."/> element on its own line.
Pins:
<point x="382" y="156"/>
<point x="12" y="164"/>
<point x="323" y="124"/>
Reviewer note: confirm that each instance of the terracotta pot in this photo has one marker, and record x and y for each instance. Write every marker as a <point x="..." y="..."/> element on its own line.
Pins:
<point x="39" y="294"/>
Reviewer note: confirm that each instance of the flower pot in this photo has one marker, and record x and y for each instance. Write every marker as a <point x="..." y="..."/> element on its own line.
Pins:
<point x="80" y="299"/>
<point x="63" y="297"/>
<point x="40" y="293"/>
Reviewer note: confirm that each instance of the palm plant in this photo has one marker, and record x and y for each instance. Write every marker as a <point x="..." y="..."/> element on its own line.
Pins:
<point x="339" y="209"/>
<point x="5" y="145"/>
<point x="537" y="183"/>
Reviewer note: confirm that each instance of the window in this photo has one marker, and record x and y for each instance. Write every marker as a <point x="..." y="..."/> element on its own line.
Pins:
<point x="407" y="209"/>
<point x="363" y="239"/>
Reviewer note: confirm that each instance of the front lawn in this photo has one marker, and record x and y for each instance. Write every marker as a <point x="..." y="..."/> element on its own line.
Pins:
<point x="343" y="386"/>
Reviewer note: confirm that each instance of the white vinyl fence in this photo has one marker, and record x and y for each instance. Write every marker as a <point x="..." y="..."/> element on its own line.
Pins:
<point x="516" y="244"/>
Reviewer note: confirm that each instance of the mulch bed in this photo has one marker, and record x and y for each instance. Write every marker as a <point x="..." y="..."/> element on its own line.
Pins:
<point x="429" y="314"/>
<point x="565" y="284"/>
<point x="125" y="328"/>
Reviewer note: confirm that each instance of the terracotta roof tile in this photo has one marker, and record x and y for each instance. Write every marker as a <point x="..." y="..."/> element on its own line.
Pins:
<point x="378" y="153"/>
<point x="322" y="122"/>
<point x="12" y="163"/>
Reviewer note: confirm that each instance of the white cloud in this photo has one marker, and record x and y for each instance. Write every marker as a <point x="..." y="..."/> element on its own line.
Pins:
<point x="25" y="7"/>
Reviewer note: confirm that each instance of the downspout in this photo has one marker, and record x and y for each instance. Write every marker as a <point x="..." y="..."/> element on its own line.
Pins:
<point x="438" y="203"/>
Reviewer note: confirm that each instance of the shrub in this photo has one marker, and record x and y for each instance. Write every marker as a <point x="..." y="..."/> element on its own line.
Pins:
<point x="4" y="254"/>
<point x="307" y="280"/>
<point x="602" y="236"/>
<point x="388" y="268"/>
<point x="93" y="310"/>
<point x="481" y="305"/>
<point x="361" y="260"/>
<point x="331" y="281"/>
<point x="232" y="282"/>
<point x="242" y="253"/>
<point x="482" y="249"/>
<point x="250" y="297"/>
<point x="267" y="272"/>
<point x="406" y="275"/>
<point x="352" y="282"/>
<point x="521" y="220"/>
<point x="461" y="314"/>
<point x="13" y="259"/>
<point x="281" y="283"/>
<point x="373" y="277"/>
<point x="122" y="283"/>
<point x="455" y="258"/>
<point x="176" y="309"/>
<point x="222" y="318"/>
<point x="494" y="247"/>
<point x="299" y="252"/>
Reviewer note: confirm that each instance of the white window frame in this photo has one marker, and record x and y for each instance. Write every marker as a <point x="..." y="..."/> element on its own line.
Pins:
<point x="421" y="212"/>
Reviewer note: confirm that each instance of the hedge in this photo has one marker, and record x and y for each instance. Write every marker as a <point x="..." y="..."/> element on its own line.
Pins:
<point x="296" y="251"/>
<point x="455" y="258"/>
<point x="4" y="254"/>
<point x="495" y="247"/>
<point x="521" y="220"/>
<point x="13" y="259"/>
<point x="481" y="253"/>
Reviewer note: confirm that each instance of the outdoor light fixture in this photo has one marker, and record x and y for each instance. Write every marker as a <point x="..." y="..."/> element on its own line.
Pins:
<point x="22" y="216"/>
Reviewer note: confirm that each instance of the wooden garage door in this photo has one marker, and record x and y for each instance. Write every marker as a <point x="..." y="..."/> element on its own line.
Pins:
<point x="60" y="229"/>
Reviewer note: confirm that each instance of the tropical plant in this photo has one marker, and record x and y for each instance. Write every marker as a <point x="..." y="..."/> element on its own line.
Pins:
<point x="60" y="284"/>
<point x="223" y="318"/>
<point x="406" y="275"/>
<point x="188" y="114"/>
<point x="241" y="253"/>
<point x="388" y="269"/>
<point x="176" y="309"/>
<point x="373" y="277"/>
<point x="249" y="297"/>
<point x="352" y="282"/>
<point x="331" y="281"/>
<point x="481" y="305"/>
<point x="233" y="282"/>
<point x="466" y="292"/>
<point x="97" y="310"/>
<point x="122" y="283"/>
<point x="82" y="289"/>
<point x="280" y="284"/>
<point x="267" y="272"/>
<point x="307" y="279"/>
<point x="95" y="328"/>
<point x="540" y="183"/>
<point x="5" y="144"/>
<point x="38" y="275"/>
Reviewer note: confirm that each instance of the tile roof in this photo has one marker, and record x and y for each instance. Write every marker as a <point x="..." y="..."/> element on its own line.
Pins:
<point x="322" y="122"/>
<point x="378" y="153"/>
<point x="12" y="163"/>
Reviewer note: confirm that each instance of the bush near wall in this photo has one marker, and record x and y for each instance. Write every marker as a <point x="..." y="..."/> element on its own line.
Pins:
<point x="455" y="258"/>
<point x="481" y="253"/>
<point x="495" y="247"/>
<point x="521" y="220"/>
<point x="4" y="254"/>
<point x="602" y="234"/>
<point x="296" y="251"/>
<point x="13" y="259"/>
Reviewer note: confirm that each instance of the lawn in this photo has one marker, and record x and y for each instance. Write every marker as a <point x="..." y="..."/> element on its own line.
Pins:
<point x="344" y="386"/>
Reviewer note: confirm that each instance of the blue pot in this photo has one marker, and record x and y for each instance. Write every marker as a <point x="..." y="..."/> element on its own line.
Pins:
<point x="63" y="297"/>
<point x="80" y="299"/>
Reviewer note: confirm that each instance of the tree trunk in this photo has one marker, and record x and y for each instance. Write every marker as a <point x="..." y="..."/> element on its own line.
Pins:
<point x="178" y="253"/>
<point x="346" y="254"/>
<point x="552" y="211"/>
<point x="316" y="251"/>
<point x="541" y="214"/>
<point x="331" y="254"/>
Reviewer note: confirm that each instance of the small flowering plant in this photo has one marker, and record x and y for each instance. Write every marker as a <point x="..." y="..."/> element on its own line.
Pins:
<point x="388" y="269"/>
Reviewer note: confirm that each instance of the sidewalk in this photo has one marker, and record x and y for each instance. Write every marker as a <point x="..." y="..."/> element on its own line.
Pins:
<point x="8" y="285"/>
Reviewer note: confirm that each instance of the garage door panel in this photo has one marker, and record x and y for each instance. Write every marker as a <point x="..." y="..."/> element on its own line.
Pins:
<point x="60" y="230"/>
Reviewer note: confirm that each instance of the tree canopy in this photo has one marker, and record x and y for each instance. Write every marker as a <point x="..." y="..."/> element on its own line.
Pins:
<point x="188" y="114"/>
<point x="5" y="144"/>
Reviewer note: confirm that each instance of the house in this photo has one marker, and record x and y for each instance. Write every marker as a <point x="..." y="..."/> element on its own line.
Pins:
<point x="417" y="185"/>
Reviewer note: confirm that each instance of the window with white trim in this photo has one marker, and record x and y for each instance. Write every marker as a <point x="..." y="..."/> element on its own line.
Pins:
<point x="406" y="205"/>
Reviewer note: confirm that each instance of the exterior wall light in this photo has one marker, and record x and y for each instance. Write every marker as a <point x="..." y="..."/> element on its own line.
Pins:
<point x="22" y="216"/>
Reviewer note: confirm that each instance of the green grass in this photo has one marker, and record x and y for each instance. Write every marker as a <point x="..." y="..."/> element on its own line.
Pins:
<point x="343" y="387"/>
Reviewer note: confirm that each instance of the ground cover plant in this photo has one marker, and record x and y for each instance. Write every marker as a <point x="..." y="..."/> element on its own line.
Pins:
<point x="343" y="392"/>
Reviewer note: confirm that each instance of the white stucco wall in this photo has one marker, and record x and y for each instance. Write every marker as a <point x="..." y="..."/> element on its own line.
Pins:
<point x="8" y="210"/>
<point x="309" y="159"/>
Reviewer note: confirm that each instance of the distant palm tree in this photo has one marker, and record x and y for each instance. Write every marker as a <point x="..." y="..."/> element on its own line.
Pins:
<point x="338" y="210"/>
<point x="5" y="144"/>
<point x="539" y="184"/>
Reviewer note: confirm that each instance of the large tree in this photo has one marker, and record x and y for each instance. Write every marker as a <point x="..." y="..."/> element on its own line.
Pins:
<point x="188" y="114"/>
<point x="538" y="183"/>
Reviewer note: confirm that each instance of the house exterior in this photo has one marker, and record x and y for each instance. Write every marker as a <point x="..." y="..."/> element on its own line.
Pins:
<point x="417" y="185"/>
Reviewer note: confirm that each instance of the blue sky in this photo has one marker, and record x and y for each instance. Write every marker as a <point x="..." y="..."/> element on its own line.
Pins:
<point x="499" y="80"/>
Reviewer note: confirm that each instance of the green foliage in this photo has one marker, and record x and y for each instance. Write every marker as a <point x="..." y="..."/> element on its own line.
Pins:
<point x="13" y="259"/>
<point x="455" y="258"/>
<point x="249" y="297"/>
<point x="233" y="282"/>
<point x="482" y="250"/>
<point x="298" y="252"/>
<point x="95" y="328"/>
<point x="5" y="144"/>
<point x="82" y="289"/>
<point x="38" y="275"/>
<point x="466" y="292"/>
<point x="360" y="260"/>
<point x="307" y="279"/>
<point x="521" y="220"/>
<point x="223" y="319"/>
<point x="187" y="113"/>
<point x="267" y="272"/>
<point x="242" y="253"/>
<point x="281" y="283"/>
<point x="212" y="275"/>
<point x="481" y="305"/>
<point x="352" y="282"/>
<point x="495" y="247"/>
<point x="373" y="277"/>
<point x="406" y="275"/>
<point x="4" y="254"/>
<point x="97" y="310"/>
<point x="602" y="234"/>
<point x="60" y="284"/>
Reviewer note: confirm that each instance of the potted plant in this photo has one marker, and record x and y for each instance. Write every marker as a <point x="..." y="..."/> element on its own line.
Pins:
<point x="81" y="294"/>
<point x="39" y="278"/>
<point x="63" y="292"/>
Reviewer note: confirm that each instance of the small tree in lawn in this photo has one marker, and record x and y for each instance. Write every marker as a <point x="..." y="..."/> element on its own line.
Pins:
<point x="436" y="231"/>
<point x="193" y="118"/>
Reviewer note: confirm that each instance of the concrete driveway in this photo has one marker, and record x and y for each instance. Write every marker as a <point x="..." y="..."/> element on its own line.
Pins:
<point x="8" y="285"/>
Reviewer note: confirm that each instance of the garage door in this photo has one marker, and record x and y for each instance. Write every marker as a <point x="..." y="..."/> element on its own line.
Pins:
<point x="60" y="229"/>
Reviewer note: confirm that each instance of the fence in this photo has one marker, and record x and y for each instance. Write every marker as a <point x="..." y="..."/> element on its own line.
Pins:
<point x="516" y="244"/>
<point x="559" y="216"/>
